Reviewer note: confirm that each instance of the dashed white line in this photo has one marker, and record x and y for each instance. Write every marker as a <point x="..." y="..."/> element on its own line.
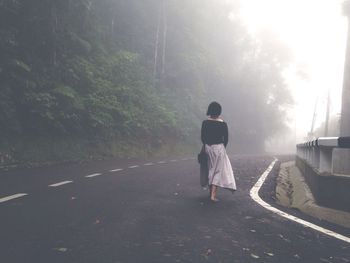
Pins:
<point x="60" y="183"/>
<point x="161" y="162"/>
<point x="115" y="170"/>
<point x="147" y="164"/>
<point x="255" y="196"/>
<point x="132" y="167"/>
<point x="93" y="175"/>
<point x="8" y="198"/>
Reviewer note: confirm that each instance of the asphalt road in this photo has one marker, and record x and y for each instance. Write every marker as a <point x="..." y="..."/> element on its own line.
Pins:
<point x="150" y="212"/>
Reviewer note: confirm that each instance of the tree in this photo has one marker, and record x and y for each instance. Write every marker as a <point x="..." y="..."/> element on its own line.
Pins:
<point x="137" y="72"/>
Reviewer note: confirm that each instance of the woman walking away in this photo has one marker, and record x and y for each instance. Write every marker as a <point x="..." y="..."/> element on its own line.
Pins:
<point x="214" y="135"/>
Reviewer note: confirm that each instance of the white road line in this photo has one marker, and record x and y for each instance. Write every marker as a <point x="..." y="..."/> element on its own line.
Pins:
<point x="147" y="164"/>
<point x="93" y="175"/>
<point x="184" y="159"/>
<point x="255" y="196"/>
<point x="116" y="170"/>
<point x="173" y="161"/>
<point x="8" y="198"/>
<point x="162" y="162"/>
<point x="60" y="183"/>
<point x="132" y="167"/>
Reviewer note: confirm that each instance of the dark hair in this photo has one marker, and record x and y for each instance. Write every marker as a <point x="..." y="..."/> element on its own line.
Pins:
<point x="214" y="109"/>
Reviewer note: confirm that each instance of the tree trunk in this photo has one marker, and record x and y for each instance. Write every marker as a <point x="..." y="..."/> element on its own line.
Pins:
<point x="345" y="113"/>
<point x="54" y="24"/>
<point x="165" y="29"/>
<point x="156" y="45"/>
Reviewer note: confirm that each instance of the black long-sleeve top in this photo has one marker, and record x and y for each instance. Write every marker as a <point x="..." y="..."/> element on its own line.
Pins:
<point x="214" y="132"/>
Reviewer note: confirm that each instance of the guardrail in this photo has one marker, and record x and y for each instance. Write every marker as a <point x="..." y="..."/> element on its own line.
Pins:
<point x="325" y="165"/>
<point x="319" y="153"/>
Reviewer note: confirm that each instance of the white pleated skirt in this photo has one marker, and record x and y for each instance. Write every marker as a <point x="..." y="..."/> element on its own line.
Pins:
<point x="219" y="166"/>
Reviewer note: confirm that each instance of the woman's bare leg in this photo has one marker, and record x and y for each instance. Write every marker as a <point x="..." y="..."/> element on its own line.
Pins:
<point x="213" y="191"/>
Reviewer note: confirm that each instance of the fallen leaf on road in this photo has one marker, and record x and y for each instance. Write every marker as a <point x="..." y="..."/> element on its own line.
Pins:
<point x="176" y="193"/>
<point x="252" y="230"/>
<point x="73" y="198"/>
<point x="285" y="239"/>
<point x="264" y="220"/>
<point x="297" y="256"/>
<point x="61" y="249"/>
<point x="207" y="254"/>
<point x="97" y="222"/>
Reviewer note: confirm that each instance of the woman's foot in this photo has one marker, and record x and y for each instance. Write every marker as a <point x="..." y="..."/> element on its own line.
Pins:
<point x="214" y="199"/>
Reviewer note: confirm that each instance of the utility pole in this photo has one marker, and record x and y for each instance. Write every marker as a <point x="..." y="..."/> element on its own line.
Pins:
<point x="345" y="112"/>
<point x="311" y="134"/>
<point x="341" y="157"/>
<point x="327" y="114"/>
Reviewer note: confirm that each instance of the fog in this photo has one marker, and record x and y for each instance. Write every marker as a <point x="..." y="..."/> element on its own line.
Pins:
<point x="317" y="39"/>
<point x="89" y="79"/>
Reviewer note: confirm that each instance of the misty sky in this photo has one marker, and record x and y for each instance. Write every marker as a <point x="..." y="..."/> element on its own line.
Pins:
<point x="315" y="30"/>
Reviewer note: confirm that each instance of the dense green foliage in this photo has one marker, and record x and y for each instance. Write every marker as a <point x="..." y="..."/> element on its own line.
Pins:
<point x="76" y="75"/>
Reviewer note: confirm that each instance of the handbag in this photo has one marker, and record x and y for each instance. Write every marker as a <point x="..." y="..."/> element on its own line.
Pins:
<point x="203" y="162"/>
<point x="202" y="156"/>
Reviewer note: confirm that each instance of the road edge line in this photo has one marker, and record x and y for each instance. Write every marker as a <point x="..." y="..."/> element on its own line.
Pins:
<point x="254" y="194"/>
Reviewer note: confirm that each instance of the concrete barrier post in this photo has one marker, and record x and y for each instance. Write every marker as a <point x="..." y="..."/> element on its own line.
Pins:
<point x="325" y="165"/>
<point x="316" y="157"/>
<point x="309" y="155"/>
<point x="312" y="159"/>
